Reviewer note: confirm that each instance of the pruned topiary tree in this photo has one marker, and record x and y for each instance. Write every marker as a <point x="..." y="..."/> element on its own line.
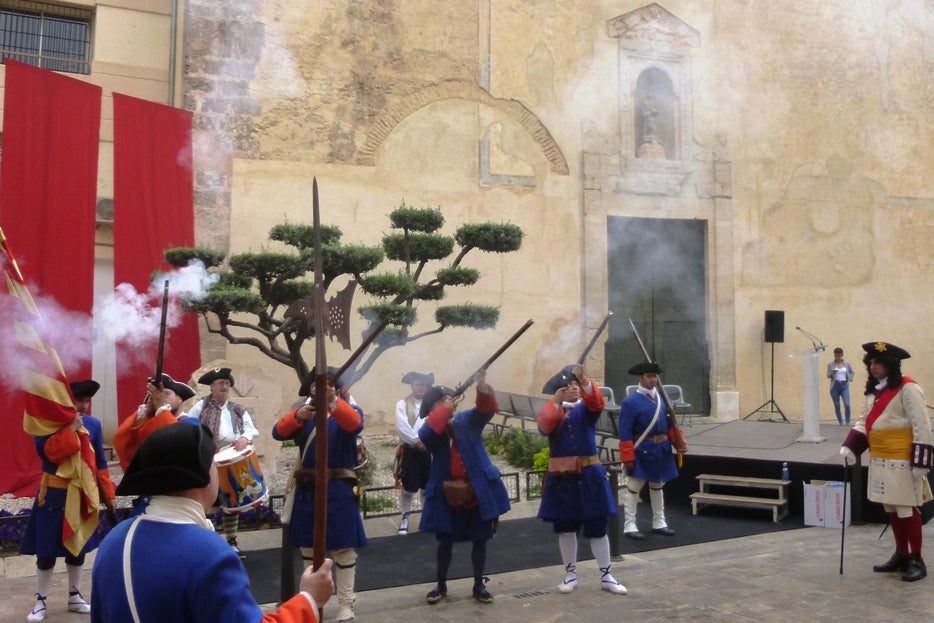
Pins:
<point x="273" y="290"/>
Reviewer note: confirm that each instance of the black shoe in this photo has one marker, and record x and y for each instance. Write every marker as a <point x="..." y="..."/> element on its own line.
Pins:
<point x="898" y="562"/>
<point x="480" y="593"/>
<point x="233" y="545"/>
<point x="634" y="535"/>
<point x="916" y="569"/>
<point x="435" y="594"/>
<point x="666" y="531"/>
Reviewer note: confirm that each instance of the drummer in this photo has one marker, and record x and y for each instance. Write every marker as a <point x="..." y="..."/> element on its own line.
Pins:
<point x="231" y="425"/>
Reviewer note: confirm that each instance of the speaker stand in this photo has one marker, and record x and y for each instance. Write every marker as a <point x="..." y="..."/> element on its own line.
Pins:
<point x="769" y="406"/>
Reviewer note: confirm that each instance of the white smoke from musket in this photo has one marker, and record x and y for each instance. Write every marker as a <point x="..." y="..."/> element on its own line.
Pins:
<point x="125" y="317"/>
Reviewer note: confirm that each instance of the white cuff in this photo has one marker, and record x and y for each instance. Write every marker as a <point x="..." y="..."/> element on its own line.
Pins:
<point x="311" y="600"/>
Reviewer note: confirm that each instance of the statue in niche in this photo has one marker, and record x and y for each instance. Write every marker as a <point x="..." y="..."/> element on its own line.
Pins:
<point x="650" y="142"/>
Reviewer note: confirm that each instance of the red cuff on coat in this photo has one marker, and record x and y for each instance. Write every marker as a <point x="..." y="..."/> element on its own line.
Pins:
<point x="627" y="452"/>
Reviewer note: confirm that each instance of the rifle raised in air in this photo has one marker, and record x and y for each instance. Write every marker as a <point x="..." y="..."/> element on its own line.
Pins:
<point x="460" y="389"/>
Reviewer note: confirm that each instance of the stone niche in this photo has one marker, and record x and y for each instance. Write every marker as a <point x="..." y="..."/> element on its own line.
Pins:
<point x="655" y="103"/>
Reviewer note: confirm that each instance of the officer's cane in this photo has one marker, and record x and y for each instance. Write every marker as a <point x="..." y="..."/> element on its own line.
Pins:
<point x="846" y="485"/>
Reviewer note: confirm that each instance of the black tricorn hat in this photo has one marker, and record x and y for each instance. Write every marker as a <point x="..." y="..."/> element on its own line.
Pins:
<point x="173" y="458"/>
<point x="559" y="380"/>
<point x="433" y="395"/>
<point x="415" y="377"/>
<point x="309" y="381"/>
<point x="886" y="350"/>
<point x="645" y="367"/>
<point x="181" y="390"/>
<point x="217" y="373"/>
<point x="84" y="389"/>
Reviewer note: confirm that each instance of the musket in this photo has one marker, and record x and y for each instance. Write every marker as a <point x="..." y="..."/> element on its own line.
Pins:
<point x="363" y="346"/>
<point x="669" y="409"/>
<point x="594" y="339"/>
<point x="460" y="389"/>
<point x="157" y="377"/>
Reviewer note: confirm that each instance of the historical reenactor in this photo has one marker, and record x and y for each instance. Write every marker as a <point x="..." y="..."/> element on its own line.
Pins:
<point x="162" y="407"/>
<point x="168" y="564"/>
<point x="50" y="511"/>
<point x="231" y="425"/>
<point x="414" y="461"/>
<point x="344" y="531"/>
<point x="465" y="495"/>
<point x="576" y="494"/>
<point x="645" y="449"/>
<point x="895" y="428"/>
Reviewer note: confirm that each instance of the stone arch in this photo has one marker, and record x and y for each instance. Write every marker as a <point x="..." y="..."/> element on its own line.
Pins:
<point x="396" y="111"/>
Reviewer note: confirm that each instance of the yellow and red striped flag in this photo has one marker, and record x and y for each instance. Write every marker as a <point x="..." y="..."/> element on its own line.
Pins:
<point x="49" y="407"/>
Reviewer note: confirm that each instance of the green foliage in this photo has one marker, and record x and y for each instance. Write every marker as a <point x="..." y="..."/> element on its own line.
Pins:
<point x="182" y="256"/>
<point x="458" y="276"/>
<point x="417" y="247"/>
<point x="303" y="236"/>
<point x="540" y="460"/>
<point x="493" y="444"/>
<point x="520" y="447"/>
<point x="426" y="264"/>
<point x="407" y="218"/>
<point x="378" y="504"/>
<point x="386" y="285"/>
<point x="366" y="473"/>
<point x="475" y="316"/>
<point x="490" y="237"/>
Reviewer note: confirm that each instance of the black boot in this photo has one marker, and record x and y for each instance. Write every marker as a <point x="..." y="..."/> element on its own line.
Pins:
<point x="898" y="562"/>
<point x="916" y="569"/>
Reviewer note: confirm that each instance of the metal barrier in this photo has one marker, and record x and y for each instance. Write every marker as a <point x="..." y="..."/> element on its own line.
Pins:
<point x="384" y="501"/>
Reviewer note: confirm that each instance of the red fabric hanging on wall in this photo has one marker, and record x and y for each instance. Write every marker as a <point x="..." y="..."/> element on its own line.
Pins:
<point x="153" y="211"/>
<point x="48" y="203"/>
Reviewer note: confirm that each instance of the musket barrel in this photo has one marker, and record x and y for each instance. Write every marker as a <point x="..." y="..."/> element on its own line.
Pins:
<point x="460" y="389"/>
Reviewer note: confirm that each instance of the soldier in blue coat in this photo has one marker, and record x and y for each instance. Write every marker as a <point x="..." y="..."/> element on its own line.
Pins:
<point x="465" y="494"/>
<point x="576" y="494"/>
<point x="344" y="524"/>
<point x="645" y="449"/>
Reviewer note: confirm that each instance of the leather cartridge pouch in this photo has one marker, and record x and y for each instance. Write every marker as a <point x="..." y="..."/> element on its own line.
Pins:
<point x="564" y="465"/>
<point x="458" y="493"/>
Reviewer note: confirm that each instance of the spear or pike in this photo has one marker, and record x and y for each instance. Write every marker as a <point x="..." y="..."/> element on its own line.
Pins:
<point x="321" y="401"/>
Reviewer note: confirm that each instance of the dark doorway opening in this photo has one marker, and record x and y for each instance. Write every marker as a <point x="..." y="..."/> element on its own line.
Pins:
<point x="657" y="277"/>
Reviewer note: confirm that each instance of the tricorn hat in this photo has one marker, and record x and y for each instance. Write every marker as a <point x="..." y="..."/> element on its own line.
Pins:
<point x="645" y="367"/>
<point x="415" y="377"/>
<point x="181" y="390"/>
<point x="84" y="389"/>
<point x="309" y="381"/>
<point x="433" y="395"/>
<point x="886" y="350"/>
<point x="173" y="458"/>
<point x="216" y="374"/>
<point x="559" y="380"/>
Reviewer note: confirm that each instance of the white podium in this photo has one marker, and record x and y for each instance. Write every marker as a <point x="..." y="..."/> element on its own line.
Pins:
<point x="811" y="396"/>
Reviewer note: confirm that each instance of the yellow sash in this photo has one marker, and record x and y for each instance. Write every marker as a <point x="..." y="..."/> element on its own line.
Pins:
<point x="891" y="443"/>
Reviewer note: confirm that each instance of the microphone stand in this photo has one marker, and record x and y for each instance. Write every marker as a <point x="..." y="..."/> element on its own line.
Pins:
<point x="816" y="342"/>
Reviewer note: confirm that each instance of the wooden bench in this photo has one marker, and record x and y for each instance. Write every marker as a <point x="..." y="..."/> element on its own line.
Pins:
<point x="778" y="505"/>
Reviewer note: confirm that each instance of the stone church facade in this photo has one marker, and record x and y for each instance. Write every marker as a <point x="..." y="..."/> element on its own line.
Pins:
<point x="687" y="165"/>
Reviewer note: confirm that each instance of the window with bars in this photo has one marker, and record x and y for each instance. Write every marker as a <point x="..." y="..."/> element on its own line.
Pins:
<point x="46" y="35"/>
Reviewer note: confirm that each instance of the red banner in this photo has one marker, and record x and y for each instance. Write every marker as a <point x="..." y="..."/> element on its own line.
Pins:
<point x="153" y="211"/>
<point x="48" y="202"/>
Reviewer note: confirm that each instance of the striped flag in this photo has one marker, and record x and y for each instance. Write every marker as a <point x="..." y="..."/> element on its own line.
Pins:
<point x="49" y="407"/>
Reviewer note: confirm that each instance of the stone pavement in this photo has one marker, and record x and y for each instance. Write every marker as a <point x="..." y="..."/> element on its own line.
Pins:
<point x="777" y="577"/>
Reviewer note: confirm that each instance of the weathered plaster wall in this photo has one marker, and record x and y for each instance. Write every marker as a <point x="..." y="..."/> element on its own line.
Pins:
<point x="818" y="115"/>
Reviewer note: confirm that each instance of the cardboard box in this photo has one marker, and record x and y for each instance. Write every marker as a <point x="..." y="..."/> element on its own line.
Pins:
<point x="823" y="504"/>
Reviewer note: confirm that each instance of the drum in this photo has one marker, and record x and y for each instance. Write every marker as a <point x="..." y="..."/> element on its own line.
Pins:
<point x="240" y="479"/>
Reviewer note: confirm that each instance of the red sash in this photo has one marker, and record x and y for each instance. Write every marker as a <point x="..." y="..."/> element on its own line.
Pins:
<point x="883" y="401"/>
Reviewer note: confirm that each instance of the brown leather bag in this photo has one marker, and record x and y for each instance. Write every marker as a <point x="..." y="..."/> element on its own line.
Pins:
<point x="564" y="465"/>
<point x="458" y="493"/>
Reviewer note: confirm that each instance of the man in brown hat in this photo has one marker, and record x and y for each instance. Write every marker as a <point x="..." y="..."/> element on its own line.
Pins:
<point x="895" y="428"/>
<point x="414" y="460"/>
<point x="231" y="425"/>
<point x="167" y="564"/>
<point x="645" y="441"/>
<point x="44" y="533"/>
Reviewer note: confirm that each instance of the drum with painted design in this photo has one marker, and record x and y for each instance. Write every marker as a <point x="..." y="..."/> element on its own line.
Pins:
<point x="240" y="479"/>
